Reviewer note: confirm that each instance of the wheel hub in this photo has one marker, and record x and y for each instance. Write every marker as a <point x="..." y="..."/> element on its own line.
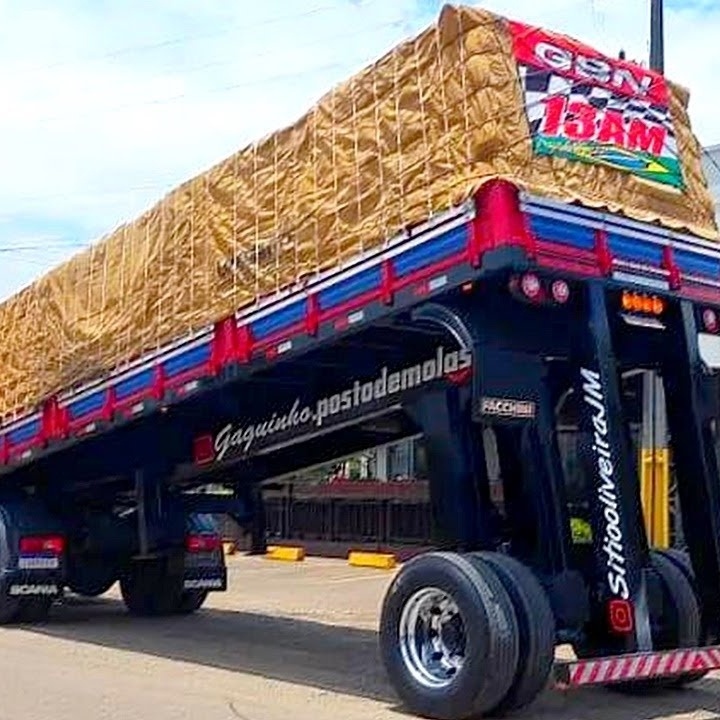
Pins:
<point x="432" y="637"/>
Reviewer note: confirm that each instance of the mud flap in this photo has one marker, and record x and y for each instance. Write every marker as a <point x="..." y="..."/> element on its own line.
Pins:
<point x="210" y="578"/>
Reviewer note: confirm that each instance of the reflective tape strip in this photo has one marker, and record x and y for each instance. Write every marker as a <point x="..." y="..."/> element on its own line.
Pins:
<point x="638" y="666"/>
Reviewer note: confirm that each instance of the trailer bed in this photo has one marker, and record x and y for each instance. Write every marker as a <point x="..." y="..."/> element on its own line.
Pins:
<point x="499" y="227"/>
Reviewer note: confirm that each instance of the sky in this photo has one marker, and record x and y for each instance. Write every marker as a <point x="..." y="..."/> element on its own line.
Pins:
<point x="107" y="105"/>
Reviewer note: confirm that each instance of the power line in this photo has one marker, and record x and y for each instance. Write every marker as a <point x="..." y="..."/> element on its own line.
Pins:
<point x="31" y="248"/>
<point x="181" y="39"/>
<point x="127" y="190"/>
<point x="232" y="87"/>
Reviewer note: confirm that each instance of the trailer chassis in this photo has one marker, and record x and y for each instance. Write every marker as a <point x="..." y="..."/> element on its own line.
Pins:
<point x="541" y="297"/>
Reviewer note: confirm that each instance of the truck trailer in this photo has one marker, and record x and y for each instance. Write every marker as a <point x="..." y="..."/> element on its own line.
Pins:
<point x="484" y="328"/>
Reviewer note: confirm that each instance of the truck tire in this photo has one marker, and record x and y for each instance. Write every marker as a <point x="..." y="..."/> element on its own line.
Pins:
<point x="9" y="609"/>
<point x="681" y="560"/>
<point x="684" y="564"/>
<point x="448" y="637"/>
<point x="680" y="624"/>
<point x="536" y="627"/>
<point x="148" y="592"/>
<point x="90" y="589"/>
<point x="191" y="601"/>
<point x="90" y="578"/>
<point x="33" y="611"/>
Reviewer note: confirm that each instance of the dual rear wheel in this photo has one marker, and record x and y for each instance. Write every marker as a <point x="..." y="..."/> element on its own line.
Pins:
<point x="148" y="589"/>
<point x="466" y="635"/>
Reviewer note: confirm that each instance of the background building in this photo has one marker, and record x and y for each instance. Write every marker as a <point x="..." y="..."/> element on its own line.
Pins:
<point x="711" y="167"/>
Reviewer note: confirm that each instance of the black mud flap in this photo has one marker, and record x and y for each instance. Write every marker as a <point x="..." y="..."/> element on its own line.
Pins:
<point x="211" y="578"/>
<point x="24" y="584"/>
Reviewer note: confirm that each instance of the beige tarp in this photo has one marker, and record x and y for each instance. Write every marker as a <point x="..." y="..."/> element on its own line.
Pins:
<point x="415" y="133"/>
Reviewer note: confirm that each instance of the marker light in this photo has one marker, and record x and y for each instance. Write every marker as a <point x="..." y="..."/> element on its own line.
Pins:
<point x="710" y="320"/>
<point x="530" y="286"/>
<point x="560" y="291"/>
<point x="640" y="303"/>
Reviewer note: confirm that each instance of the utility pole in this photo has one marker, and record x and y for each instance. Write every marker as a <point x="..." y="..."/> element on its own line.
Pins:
<point x="657" y="42"/>
<point x="654" y="451"/>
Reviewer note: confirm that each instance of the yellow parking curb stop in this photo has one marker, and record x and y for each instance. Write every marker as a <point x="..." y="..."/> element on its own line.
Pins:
<point x="289" y="554"/>
<point x="383" y="561"/>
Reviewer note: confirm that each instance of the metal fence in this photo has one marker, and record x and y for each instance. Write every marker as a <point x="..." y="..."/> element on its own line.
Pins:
<point x="349" y="512"/>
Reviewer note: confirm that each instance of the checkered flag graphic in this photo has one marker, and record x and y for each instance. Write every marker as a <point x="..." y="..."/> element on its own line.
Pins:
<point x="541" y="84"/>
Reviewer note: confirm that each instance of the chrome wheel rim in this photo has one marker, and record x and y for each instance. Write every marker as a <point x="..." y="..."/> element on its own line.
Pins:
<point x="432" y="637"/>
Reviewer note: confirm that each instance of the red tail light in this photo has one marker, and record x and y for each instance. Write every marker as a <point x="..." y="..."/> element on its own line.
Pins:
<point x="538" y="290"/>
<point x="710" y="320"/>
<point x="560" y="291"/>
<point x="202" y="543"/>
<point x="621" y="616"/>
<point x="531" y="286"/>
<point x="42" y="545"/>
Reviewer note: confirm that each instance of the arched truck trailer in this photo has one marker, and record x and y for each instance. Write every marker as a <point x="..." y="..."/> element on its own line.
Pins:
<point x="478" y="324"/>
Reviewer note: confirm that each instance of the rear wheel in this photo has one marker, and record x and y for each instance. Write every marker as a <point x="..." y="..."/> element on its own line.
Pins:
<point x="684" y="564"/>
<point x="35" y="610"/>
<point x="536" y="626"/>
<point x="24" y="610"/>
<point x="149" y="591"/>
<point x="449" y="637"/>
<point x="190" y="601"/>
<point x="90" y="577"/>
<point x="9" y="609"/>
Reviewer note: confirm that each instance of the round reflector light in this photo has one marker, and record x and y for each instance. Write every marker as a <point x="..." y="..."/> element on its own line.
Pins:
<point x="530" y="285"/>
<point x="710" y="320"/>
<point x="560" y="291"/>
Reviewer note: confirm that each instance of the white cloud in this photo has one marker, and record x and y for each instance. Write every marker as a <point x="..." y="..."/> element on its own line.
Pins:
<point x="106" y="106"/>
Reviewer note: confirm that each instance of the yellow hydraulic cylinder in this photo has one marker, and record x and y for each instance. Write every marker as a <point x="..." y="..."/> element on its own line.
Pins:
<point x="655" y="493"/>
<point x="654" y="461"/>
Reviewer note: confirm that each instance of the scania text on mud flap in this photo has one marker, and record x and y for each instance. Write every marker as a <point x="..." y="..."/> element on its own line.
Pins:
<point x="34" y="590"/>
<point x="526" y="334"/>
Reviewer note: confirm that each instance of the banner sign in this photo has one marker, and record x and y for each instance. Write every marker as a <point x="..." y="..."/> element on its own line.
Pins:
<point x="582" y="105"/>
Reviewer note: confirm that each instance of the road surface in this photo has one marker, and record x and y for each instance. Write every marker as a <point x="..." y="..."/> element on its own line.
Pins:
<point x="289" y="641"/>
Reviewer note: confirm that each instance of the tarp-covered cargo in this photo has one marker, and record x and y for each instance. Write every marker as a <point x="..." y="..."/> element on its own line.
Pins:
<point x="471" y="98"/>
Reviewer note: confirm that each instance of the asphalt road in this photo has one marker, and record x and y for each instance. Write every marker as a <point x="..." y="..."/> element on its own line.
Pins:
<point x="288" y="641"/>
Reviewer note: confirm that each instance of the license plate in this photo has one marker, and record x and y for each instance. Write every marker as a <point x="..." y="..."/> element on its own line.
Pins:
<point x="38" y="563"/>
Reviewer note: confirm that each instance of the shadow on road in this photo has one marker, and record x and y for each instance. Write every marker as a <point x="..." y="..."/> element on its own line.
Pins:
<point x="332" y="658"/>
